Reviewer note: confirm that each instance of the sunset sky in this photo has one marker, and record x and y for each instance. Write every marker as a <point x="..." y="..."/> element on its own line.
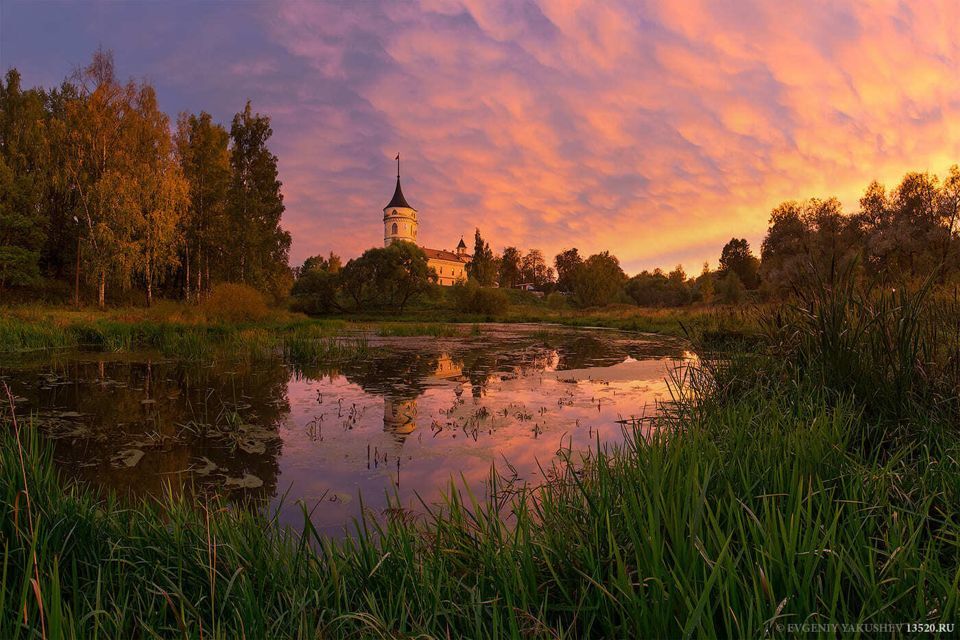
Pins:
<point x="654" y="130"/>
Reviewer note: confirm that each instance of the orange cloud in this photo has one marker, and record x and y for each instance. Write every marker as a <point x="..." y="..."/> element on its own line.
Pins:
<point x="656" y="131"/>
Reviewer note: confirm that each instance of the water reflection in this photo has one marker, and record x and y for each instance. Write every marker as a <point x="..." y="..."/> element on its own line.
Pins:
<point x="404" y="420"/>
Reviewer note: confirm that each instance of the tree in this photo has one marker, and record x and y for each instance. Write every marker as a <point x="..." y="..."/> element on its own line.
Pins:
<point x="259" y="247"/>
<point x="660" y="290"/>
<point x="483" y="267"/>
<point x="23" y="156"/>
<point x="705" y="284"/>
<point x="203" y="150"/>
<point x="731" y="289"/>
<point x="387" y="278"/>
<point x="157" y="192"/>
<point x="566" y="263"/>
<point x="598" y="281"/>
<point x="510" y="267"/>
<point x="316" y="285"/>
<point x="96" y="160"/>
<point x="534" y="270"/>
<point x="737" y="257"/>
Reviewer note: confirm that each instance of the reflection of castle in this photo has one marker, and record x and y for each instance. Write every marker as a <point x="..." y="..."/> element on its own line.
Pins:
<point x="400" y="413"/>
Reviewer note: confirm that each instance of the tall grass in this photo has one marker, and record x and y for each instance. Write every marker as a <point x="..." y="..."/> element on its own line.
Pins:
<point x="760" y="500"/>
<point x="896" y="352"/>
<point x="416" y="329"/>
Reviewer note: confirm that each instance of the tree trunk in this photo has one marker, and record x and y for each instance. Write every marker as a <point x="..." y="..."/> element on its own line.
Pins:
<point x="199" y="273"/>
<point x="102" y="290"/>
<point x="186" y="280"/>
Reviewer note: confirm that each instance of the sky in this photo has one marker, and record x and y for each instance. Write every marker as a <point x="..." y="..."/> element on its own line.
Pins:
<point x="654" y="130"/>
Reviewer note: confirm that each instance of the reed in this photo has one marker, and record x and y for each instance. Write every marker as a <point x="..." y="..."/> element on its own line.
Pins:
<point x="416" y="329"/>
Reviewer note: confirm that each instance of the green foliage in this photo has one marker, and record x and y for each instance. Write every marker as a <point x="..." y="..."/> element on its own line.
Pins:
<point x="509" y="273"/>
<point x="534" y="270"/>
<point x="737" y="258"/>
<point x="896" y="352"/>
<point x="318" y="282"/>
<point x="483" y="267"/>
<point x="895" y="239"/>
<point x="659" y="290"/>
<point x="387" y="278"/>
<point x="598" y="281"/>
<point x="731" y="289"/>
<point x="557" y="300"/>
<point x="470" y="297"/>
<point x="23" y="156"/>
<point x="203" y="149"/>
<point x="566" y="264"/>
<point x="258" y="252"/>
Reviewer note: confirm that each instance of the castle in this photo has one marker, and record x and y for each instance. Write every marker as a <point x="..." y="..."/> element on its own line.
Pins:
<point x="400" y="223"/>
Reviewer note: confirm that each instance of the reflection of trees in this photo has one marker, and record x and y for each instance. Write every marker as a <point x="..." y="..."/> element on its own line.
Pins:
<point x="397" y="373"/>
<point x="143" y="404"/>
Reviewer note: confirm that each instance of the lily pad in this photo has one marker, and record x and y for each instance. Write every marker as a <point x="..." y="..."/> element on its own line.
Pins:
<point x="127" y="458"/>
<point x="248" y="481"/>
<point x="209" y="466"/>
<point x="252" y="445"/>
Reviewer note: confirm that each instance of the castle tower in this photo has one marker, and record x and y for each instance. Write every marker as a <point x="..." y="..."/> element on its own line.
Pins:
<point x="399" y="218"/>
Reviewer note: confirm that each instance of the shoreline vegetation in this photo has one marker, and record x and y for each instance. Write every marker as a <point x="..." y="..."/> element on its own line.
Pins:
<point x="810" y="475"/>
<point x="175" y="328"/>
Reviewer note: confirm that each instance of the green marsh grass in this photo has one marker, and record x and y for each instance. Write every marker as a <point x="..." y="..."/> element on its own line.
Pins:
<point x="416" y="329"/>
<point x="738" y="516"/>
<point x="777" y="489"/>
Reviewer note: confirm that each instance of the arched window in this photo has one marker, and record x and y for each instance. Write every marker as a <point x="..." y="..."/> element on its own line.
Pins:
<point x="394" y="228"/>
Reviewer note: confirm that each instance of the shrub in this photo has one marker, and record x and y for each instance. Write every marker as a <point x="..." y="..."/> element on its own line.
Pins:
<point x="315" y="292"/>
<point x="557" y="300"/>
<point x="232" y="302"/>
<point x="472" y="298"/>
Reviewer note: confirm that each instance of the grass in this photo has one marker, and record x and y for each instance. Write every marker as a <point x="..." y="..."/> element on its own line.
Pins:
<point x="301" y="340"/>
<point x="431" y="329"/>
<point x="758" y="515"/>
<point x="812" y="478"/>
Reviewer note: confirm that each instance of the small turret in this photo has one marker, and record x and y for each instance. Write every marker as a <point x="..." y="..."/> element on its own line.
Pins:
<point x="462" y="247"/>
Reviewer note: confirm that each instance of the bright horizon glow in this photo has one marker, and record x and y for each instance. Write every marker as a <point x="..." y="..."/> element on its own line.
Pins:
<point x="656" y="131"/>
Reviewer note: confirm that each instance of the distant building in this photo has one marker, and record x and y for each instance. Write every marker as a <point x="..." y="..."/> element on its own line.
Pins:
<point x="400" y="223"/>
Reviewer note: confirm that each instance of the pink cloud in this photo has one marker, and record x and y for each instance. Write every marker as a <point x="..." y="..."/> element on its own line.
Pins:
<point x="656" y="131"/>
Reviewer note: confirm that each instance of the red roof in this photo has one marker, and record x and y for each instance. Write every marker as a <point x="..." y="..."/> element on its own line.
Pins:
<point x="443" y="254"/>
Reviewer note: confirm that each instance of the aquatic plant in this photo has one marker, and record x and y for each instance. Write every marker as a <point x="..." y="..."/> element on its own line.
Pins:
<point x="414" y="329"/>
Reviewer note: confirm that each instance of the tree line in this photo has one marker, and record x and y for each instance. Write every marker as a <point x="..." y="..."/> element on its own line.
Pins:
<point x="100" y="192"/>
<point x="895" y="238"/>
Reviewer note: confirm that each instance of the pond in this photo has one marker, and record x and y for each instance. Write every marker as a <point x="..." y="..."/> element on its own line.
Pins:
<point x="410" y="416"/>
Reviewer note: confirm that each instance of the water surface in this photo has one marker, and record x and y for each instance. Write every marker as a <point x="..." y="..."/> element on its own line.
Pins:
<point x="407" y="418"/>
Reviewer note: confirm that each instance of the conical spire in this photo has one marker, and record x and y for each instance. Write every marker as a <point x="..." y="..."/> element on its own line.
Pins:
<point x="398" y="200"/>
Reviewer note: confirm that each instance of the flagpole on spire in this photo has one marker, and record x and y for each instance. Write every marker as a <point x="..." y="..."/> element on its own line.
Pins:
<point x="398" y="165"/>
